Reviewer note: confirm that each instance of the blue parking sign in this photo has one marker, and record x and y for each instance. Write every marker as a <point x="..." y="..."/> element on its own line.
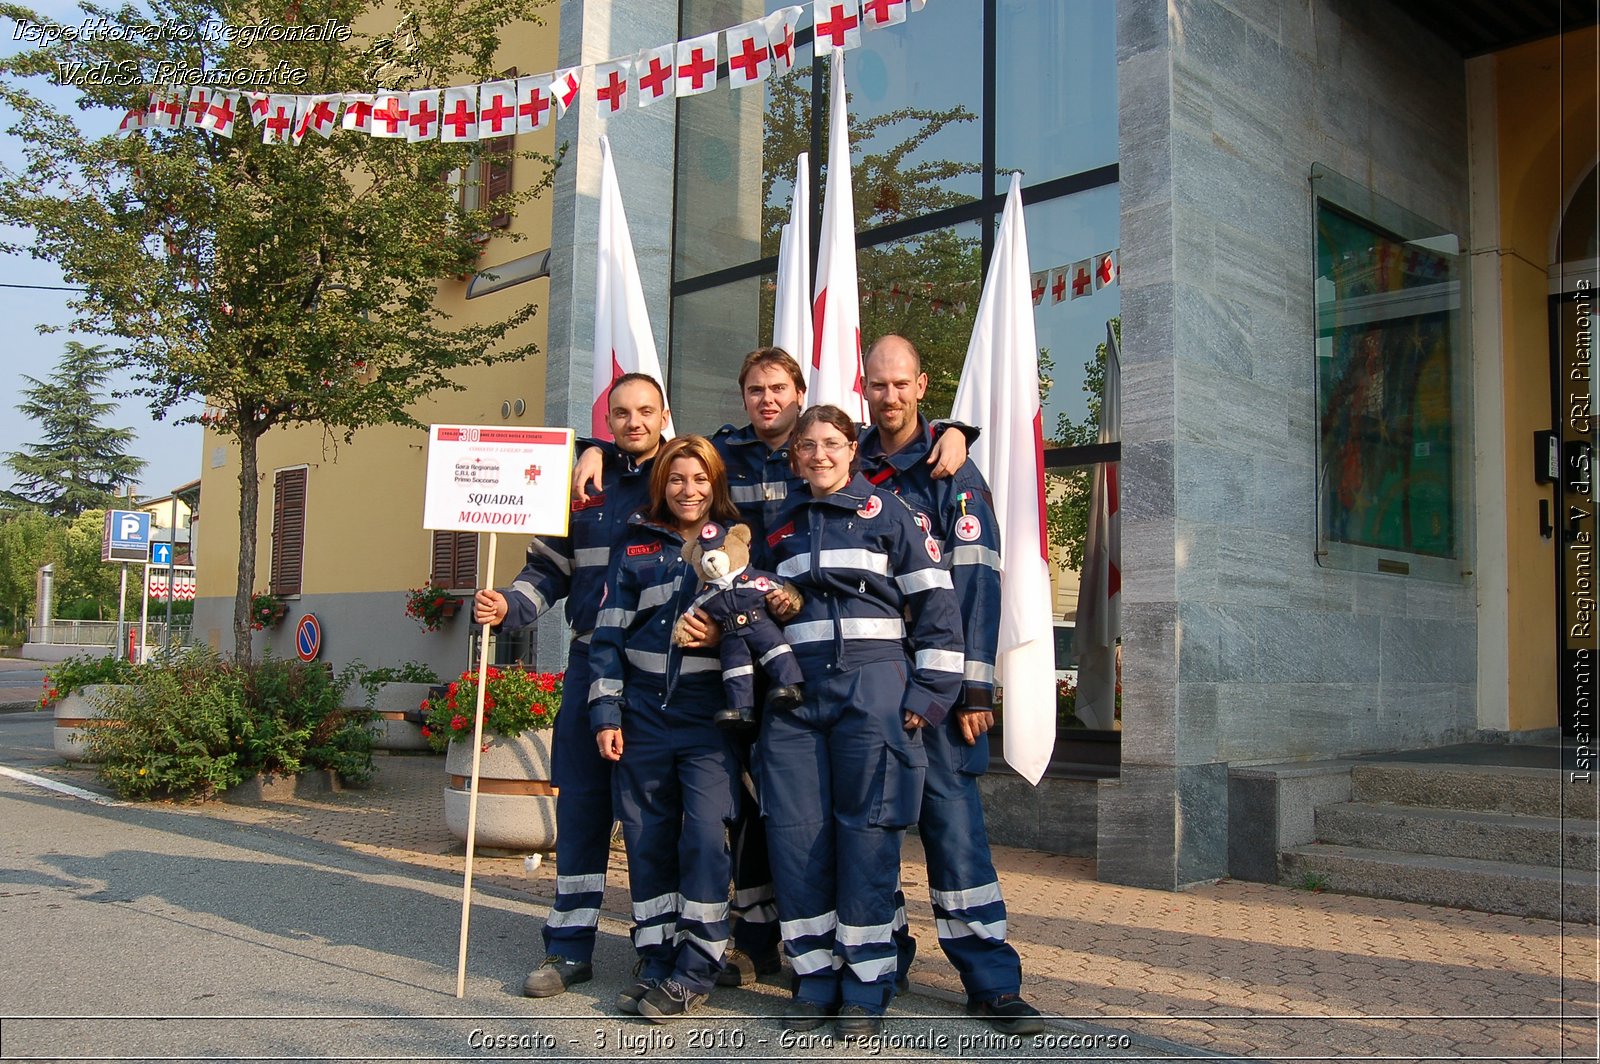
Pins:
<point x="127" y="536"/>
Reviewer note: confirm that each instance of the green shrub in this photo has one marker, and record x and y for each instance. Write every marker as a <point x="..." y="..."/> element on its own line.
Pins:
<point x="202" y="725"/>
<point x="67" y="676"/>
<point x="410" y="672"/>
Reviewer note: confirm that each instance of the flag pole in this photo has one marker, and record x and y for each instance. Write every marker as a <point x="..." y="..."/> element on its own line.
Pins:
<point x="472" y="792"/>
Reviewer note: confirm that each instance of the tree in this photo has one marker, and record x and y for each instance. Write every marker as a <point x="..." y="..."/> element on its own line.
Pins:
<point x="281" y="284"/>
<point x="85" y="587"/>
<point x="78" y="463"/>
<point x="24" y="539"/>
<point x="1067" y="511"/>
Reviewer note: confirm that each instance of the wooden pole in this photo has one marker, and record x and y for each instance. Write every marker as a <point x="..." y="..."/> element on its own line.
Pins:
<point x="472" y="794"/>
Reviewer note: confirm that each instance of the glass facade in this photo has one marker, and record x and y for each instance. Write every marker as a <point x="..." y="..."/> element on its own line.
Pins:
<point x="942" y="108"/>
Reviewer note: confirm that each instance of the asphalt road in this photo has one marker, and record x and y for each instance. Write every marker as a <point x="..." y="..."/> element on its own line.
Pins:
<point x="137" y="932"/>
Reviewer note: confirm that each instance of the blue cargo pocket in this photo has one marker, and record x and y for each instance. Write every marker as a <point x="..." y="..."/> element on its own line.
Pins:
<point x="898" y="784"/>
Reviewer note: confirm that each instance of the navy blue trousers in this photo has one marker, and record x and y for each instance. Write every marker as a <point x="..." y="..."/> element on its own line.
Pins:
<point x="583" y="818"/>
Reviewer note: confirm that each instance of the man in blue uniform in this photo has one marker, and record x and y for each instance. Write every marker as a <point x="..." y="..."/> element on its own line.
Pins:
<point x="969" y="912"/>
<point x="574" y="567"/>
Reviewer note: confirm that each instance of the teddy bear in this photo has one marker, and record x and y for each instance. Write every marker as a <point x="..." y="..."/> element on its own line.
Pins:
<point x="735" y="597"/>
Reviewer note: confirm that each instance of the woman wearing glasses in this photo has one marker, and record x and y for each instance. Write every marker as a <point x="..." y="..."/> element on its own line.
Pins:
<point x="879" y="640"/>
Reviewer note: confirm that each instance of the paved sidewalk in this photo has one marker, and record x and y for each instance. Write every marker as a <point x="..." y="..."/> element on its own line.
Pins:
<point x="1229" y="968"/>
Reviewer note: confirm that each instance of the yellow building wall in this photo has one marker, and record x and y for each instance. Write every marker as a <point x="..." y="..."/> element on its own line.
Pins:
<point x="364" y="498"/>
<point x="1547" y="105"/>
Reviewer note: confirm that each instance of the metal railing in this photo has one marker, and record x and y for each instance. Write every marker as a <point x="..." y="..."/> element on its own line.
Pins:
<point x="105" y="633"/>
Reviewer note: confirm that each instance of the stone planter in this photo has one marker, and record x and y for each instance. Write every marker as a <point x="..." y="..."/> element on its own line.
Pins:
<point x="516" y="804"/>
<point x="274" y="787"/>
<point x="397" y="716"/>
<point x="87" y="707"/>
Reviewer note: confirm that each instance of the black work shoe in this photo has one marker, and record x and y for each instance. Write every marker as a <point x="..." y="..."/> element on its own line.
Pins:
<point x="554" y="975"/>
<point x="628" y="1000"/>
<point x="669" y="1000"/>
<point x="741" y="969"/>
<point x="858" y="1021"/>
<point x="1008" y="1014"/>
<point x="787" y="698"/>
<point x="801" y="1015"/>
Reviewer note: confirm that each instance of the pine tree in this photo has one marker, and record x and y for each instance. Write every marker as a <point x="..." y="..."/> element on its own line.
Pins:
<point x="79" y="463"/>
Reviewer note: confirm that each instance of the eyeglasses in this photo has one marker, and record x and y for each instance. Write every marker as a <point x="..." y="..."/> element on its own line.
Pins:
<point x="806" y="448"/>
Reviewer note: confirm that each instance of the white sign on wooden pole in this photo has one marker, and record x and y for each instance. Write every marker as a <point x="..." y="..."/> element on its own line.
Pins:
<point x="493" y="479"/>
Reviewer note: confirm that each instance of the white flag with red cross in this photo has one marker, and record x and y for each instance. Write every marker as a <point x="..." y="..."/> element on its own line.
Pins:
<point x="536" y="102"/>
<point x="165" y="110"/>
<point x="222" y="114"/>
<point x="697" y="65"/>
<point x="564" y="86"/>
<point x="422" y="122"/>
<point x="258" y="107"/>
<point x="297" y="132"/>
<point x="458" y="120"/>
<point x="781" y="26"/>
<point x="749" y="57"/>
<point x="835" y="364"/>
<point x="278" y="126"/>
<point x="1060" y="277"/>
<point x="1081" y="278"/>
<point x="358" y="112"/>
<point x="497" y="109"/>
<point x="837" y="24"/>
<point x="791" y="314"/>
<point x="657" y="73"/>
<point x="999" y="390"/>
<point x="321" y="116"/>
<point x="611" y="86"/>
<point x="880" y="13"/>
<point x="194" y="112"/>
<point x="1100" y="592"/>
<point x="623" y="342"/>
<point x="390" y="116"/>
<point x="1037" y="284"/>
<point x="1105" y="269"/>
<point x="132" y="122"/>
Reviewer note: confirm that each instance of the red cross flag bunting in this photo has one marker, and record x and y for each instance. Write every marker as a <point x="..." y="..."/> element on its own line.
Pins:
<point x="1105" y="269"/>
<point x="837" y="23"/>
<point x="611" y="85"/>
<point x="278" y="126"/>
<point x="389" y="116"/>
<point x="322" y="116"/>
<point x="162" y="113"/>
<point x="297" y="133"/>
<point x="132" y="121"/>
<point x="258" y="107"/>
<point x="657" y="70"/>
<point x="459" y="122"/>
<point x="781" y="25"/>
<point x="564" y="86"/>
<point x="497" y="109"/>
<point x="1082" y="278"/>
<point x="697" y="65"/>
<point x="222" y="114"/>
<point x="1058" y="284"/>
<point x="881" y="13"/>
<point x="199" y="104"/>
<point x="535" y="102"/>
<point x="749" y="58"/>
<point x="423" y="121"/>
<point x="1038" y="282"/>
<point x="358" y="112"/>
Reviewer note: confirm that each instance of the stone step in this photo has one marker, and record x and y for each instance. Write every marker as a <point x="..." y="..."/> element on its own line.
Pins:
<point x="1482" y="788"/>
<point x="1513" y="837"/>
<point x="1458" y="882"/>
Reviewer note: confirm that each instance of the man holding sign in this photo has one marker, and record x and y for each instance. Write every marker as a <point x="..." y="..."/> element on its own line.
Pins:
<point x="574" y="567"/>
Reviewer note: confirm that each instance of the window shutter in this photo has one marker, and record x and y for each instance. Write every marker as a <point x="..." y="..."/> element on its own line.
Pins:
<point x="497" y="158"/>
<point x="288" y="530"/>
<point x="455" y="560"/>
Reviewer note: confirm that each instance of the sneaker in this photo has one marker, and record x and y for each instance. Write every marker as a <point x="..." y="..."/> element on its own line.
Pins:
<point x="858" y="1021"/>
<point x="801" y="1015"/>
<point x="554" y="975"/>
<point x="628" y="1000"/>
<point x="741" y="969"/>
<point x="669" y="1000"/>
<point x="1008" y="1014"/>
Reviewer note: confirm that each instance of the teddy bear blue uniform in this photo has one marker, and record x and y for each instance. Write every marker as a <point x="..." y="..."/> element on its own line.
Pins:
<point x="734" y="596"/>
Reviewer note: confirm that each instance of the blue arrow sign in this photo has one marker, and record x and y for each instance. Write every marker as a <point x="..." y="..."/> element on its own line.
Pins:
<point x="160" y="554"/>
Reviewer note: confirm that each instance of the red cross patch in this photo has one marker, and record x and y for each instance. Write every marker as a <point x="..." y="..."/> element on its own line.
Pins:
<point x="872" y="507"/>
<point x="932" y="547"/>
<point x="763" y="584"/>
<point x="969" y="528"/>
<point x="708" y="531"/>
